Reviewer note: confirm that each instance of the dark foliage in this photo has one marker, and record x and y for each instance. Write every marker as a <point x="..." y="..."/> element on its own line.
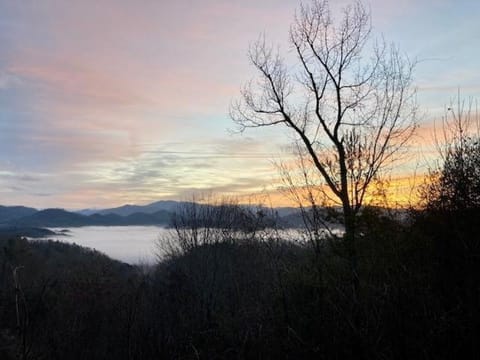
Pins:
<point x="245" y="296"/>
<point x="456" y="186"/>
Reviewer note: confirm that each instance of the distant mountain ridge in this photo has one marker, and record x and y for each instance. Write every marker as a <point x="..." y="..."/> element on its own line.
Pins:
<point x="62" y="218"/>
<point x="19" y="217"/>
<point x="126" y="210"/>
<point x="9" y="213"/>
<point x="157" y="213"/>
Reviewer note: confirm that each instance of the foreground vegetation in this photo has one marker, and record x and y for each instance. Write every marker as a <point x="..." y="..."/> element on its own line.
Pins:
<point x="222" y="294"/>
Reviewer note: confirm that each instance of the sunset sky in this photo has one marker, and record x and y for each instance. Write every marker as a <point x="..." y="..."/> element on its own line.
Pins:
<point x="107" y="102"/>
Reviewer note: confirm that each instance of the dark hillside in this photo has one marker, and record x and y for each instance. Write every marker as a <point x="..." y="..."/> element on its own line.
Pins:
<point x="10" y="213"/>
<point x="52" y="218"/>
<point x="245" y="294"/>
<point x="69" y="299"/>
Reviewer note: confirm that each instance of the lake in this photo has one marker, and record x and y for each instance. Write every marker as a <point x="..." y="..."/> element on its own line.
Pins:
<point x="131" y="244"/>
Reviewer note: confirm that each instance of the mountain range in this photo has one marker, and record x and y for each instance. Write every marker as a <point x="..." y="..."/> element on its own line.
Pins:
<point x="21" y="217"/>
<point x="126" y="210"/>
<point x="157" y="213"/>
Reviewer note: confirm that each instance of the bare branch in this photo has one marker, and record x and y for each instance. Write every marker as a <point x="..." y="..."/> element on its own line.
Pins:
<point x="349" y="100"/>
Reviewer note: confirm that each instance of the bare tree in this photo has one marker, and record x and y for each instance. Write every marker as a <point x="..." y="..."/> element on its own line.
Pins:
<point x="351" y="106"/>
<point x="211" y="221"/>
<point x="300" y="185"/>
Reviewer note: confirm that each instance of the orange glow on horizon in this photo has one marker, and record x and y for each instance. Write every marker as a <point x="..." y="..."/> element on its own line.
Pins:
<point x="399" y="192"/>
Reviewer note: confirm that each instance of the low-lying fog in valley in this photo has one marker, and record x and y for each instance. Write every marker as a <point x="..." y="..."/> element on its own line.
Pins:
<point x="143" y="244"/>
<point x="131" y="244"/>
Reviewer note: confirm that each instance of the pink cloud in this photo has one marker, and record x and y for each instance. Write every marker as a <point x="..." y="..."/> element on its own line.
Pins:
<point x="104" y="82"/>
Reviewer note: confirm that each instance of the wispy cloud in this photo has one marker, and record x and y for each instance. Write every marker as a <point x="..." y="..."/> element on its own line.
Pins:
<point x="114" y="101"/>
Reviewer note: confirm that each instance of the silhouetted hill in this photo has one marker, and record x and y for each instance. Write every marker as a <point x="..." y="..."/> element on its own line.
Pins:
<point x="110" y="219"/>
<point x="9" y="213"/>
<point x="126" y="210"/>
<point x="52" y="218"/>
<point x="159" y="217"/>
<point x="63" y="218"/>
<point x="31" y="232"/>
<point x="157" y="213"/>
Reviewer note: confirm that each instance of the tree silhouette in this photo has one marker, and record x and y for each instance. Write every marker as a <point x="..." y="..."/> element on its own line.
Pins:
<point x="455" y="184"/>
<point x="350" y="105"/>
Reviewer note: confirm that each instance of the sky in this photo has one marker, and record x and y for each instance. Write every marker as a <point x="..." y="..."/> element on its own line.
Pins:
<point x="107" y="102"/>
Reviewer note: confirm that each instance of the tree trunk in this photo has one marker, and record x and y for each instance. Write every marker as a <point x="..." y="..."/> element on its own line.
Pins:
<point x="350" y="243"/>
<point x="350" y="225"/>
